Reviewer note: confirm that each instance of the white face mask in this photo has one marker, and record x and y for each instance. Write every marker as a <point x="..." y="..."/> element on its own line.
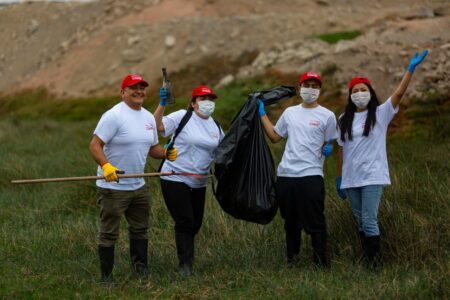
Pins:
<point x="309" y="95"/>
<point x="360" y="99"/>
<point x="206" y="107"/>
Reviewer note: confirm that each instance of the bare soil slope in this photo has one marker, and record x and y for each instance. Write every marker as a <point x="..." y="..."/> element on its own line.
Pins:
<point x="85" y="49"/>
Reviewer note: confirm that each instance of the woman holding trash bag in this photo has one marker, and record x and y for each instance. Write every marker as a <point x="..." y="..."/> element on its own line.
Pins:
<point x="197" y="136"/>
<point x="310" y="129"/>
<point x="362" y="161"/>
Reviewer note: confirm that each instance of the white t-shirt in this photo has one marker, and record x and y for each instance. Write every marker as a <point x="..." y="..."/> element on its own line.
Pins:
<point x="307" y="130"/>
<point x="364" y="158"/>
<point x="196" y="145"/>
<point x="128" y="135"/>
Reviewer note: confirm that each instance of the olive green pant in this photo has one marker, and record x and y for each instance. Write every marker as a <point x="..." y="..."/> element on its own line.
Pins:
<point x="134" y="205"/>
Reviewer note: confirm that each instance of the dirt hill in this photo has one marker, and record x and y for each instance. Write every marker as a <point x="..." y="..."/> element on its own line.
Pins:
<point x="85" y="49"/>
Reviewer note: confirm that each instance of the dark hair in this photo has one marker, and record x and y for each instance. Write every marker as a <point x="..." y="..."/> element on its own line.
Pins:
<point x="346" y="120"/>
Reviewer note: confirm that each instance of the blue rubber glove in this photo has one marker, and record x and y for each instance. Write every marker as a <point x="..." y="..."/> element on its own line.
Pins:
<point x="262" y="111"/>
<point x="328" y="148"/>
<point x="416" y="60"/>
<point x="162" y="97"/>
<point x="340" y="192"/>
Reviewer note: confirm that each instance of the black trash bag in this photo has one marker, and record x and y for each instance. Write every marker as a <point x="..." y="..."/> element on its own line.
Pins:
<point x="244" y="166"/>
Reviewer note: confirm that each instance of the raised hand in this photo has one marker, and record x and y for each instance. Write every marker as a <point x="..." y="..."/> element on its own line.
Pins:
<point x="416" y="60"/>
<point x="162" y="97"/>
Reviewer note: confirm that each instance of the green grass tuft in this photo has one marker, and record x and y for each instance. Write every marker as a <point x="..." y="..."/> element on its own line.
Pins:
<point x="334" y="37"/>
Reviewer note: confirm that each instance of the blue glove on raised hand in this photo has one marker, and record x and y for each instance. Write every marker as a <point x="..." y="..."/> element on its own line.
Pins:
<point x="328" y="148"/>
<point x="162" y="97"/>
<point x="340" y="192"/>
<point x="416" y="60"/>
<point x="262" y="111"/>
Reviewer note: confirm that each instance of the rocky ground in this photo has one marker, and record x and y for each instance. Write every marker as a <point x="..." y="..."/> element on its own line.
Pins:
<point x="85" y="49"/>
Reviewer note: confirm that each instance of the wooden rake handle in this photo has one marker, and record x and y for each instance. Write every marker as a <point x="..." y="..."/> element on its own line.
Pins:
<point x="81" y="178"/>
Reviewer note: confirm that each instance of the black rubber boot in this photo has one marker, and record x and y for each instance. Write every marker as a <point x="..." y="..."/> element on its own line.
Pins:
<point x="319" y="244"/>
<point x="185" y="252"/>
<point x="106" y="255"/>
<point x="373" y="257"/>
<point x="362" y="241"/>
<point x="293" y="243"/>
<point x="138" y="254"/>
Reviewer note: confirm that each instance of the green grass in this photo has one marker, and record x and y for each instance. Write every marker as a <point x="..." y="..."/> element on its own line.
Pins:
<point x="334" y="37"/>
<point x="48" y="232"/>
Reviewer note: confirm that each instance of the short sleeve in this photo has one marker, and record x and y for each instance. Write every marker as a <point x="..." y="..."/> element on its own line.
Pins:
<point x="281" y="126"/>
<point x="171" y="122"/>
<point x="330" y="130"/>
<point x="107" y="126"/>
<point x="385" y="112"/>
<point x="155" y="132"/>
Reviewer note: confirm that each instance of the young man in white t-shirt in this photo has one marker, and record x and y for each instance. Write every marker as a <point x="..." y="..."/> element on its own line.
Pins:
<point x="310" y="129"/>
<point x="362" y="160"/>
<point x="123" y="138"/>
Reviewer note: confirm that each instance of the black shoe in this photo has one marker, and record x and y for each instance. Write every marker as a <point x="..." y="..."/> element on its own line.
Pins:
<point x="106" y="255"/>
<point x="141" y="270"/>
<point x="138" y="254"/>
<point x="373" y="257"/>
<point x="185" y="270"/>
<point x="293" y="236"/>
<point x="319" y="244"/>
<point x="185" y="252"/>
<point x="106" y="279"/>
<point x="362" y="241"/>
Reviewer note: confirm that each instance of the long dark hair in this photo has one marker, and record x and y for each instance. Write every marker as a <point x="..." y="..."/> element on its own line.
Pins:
<point x="346" y="120"/>
<point x="189" y="107"/>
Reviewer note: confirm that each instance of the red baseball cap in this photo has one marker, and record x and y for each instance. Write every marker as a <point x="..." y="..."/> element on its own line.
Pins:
<point x="132" y="79"/>
<point x="310" y="75"/>
<point x="203" y="90"/>
<point x="358" y="79"/>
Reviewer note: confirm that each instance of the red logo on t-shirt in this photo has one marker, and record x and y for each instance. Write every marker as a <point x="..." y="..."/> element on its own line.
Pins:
<point x="148" y="127"/>
<point x="314" y="123"/>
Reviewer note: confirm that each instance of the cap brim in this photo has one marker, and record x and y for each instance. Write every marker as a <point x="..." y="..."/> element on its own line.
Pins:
<point x="313" y="78"/>
<point x="137" y="82"/>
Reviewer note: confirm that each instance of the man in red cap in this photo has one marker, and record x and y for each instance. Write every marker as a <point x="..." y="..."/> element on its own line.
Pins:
<point x="124" y="137"/>
<point x="310" y="129"/>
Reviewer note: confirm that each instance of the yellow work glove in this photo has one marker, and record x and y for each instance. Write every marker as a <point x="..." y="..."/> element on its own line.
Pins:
<point x="110" y="172"/>
<point x="170" y="154"/>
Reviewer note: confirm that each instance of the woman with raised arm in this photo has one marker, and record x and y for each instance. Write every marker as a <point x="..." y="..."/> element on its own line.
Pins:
<point x="362" y="161"/>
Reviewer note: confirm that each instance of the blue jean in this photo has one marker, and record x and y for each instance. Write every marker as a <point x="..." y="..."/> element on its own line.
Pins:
<point x="365" y="201"/>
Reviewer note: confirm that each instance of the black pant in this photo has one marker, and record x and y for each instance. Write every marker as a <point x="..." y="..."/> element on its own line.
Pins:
<point x="301" y="202"/>
<point x="186" y="206"/>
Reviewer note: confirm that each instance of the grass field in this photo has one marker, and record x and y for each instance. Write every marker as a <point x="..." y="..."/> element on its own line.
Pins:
<point x="48" y="232"/>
